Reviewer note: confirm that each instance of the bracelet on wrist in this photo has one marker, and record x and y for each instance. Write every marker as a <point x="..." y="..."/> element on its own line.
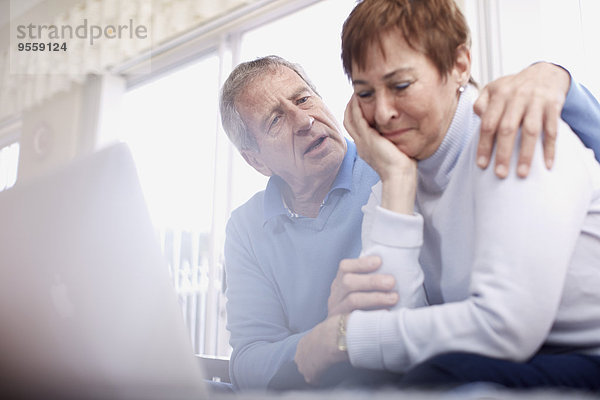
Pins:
<point x="341" y="334"/>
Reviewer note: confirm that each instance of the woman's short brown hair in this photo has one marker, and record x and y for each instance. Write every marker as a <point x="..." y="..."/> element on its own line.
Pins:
<point x="435" y="28"/>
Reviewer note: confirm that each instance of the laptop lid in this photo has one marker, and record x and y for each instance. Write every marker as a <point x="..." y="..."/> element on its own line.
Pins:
<point x="87" y="308"/>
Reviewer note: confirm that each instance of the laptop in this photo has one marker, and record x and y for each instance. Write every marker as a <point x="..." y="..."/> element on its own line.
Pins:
<point x="87" y="307"/>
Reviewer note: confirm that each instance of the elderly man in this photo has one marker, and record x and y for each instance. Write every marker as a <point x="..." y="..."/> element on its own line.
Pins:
<point x="284" y="246"/>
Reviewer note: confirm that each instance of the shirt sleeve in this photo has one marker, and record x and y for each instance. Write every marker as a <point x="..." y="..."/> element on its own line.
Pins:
<point x="397" y="239"/>
<point x="525" y="234"/>
<point x="582" y="112"/>
<point x="261" y="340"/>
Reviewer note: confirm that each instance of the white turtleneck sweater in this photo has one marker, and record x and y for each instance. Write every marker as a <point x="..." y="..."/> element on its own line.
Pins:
<point x="487" y="266"/>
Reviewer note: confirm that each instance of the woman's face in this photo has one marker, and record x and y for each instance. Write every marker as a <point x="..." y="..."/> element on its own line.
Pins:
<point x="403" y="96"/>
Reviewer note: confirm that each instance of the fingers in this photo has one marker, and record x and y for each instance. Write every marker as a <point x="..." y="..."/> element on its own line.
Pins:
<point x="482" y="102"/>
<point x="501" y="115"/>
<point x="352" y="122"/>
<point x="357" y="287"/>
<point x="361" y="265"/>
<point x="489" y="120"/>
<point x="356" y="124"/>
<point x="531" y="100"/>
<point x="368" y="301"/>
<point x="348" y="124"/>
<point x="530" y="133"/>
<point x="508" y="128"/>
<point x="352" y="117"/>
<point x="533" y="114"/>
<point x="352" y="282"/>
<point x="551" y="117"/>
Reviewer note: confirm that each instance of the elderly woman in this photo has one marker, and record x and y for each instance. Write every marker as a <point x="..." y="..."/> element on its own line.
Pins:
<point x="498" y="279"/>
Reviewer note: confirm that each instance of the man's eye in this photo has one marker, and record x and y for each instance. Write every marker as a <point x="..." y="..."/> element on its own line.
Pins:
<point x="302" y="100"/>
<point x="275" y="120"/>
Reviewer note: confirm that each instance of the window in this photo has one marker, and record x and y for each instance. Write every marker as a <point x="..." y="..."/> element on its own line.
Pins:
<point x="312" y="38"/>
<point x="511" y="34"/>
<point x="170" y="124"/>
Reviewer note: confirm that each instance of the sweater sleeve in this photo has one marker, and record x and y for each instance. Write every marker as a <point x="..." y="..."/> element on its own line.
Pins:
<point x="404" y="244"/>
<point x="582" y="112"/>
<point x="261" y="340"/>
<point x="525" y="234"/>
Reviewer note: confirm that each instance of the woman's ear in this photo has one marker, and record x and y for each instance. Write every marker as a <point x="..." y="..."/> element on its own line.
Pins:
<point x="462" y="65"/>
<point x="253" y="158"/>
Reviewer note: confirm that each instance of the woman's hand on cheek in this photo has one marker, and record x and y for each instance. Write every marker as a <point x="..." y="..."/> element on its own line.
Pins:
<point x="397" y="171"/>
<point x="381" y="154"/>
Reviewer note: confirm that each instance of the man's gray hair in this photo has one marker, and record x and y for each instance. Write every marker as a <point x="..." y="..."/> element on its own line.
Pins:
<point x="234" y="86"/>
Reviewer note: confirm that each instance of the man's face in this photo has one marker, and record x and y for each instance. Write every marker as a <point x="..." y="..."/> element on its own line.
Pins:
<point x="298" y="138"/>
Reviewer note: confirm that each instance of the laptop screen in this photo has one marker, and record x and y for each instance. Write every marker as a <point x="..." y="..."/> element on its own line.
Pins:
<point x="87" y="308"/>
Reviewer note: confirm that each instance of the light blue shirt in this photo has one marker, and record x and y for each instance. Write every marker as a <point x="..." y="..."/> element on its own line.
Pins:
<point x="279" y="269"/>
<point x="582" y="112"/>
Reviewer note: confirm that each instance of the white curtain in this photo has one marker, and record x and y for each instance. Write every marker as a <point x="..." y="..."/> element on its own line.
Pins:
<point x="30" y="77"/>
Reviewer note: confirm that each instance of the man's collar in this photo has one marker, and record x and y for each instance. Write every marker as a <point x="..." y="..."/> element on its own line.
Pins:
<point x="343" y="180"/>
<point x="273" y="203"/>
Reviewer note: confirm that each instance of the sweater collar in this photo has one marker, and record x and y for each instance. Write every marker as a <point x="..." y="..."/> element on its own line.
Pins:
<point x="436" y="170"/>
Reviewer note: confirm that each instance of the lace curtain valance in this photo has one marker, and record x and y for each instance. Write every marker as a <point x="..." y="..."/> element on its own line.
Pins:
<point x="47" y="55"/>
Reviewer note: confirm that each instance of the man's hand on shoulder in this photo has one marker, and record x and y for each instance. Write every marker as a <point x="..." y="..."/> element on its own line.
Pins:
<point x="531" y="100"/>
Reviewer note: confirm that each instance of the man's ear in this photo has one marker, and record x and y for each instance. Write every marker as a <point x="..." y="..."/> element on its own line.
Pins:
<point x="254" y="159"/>
<point x="462" y="65"/>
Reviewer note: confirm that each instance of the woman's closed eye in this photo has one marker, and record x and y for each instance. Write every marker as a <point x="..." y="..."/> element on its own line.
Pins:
<point x="364" y="94"/>
<point x="399" y="87"/>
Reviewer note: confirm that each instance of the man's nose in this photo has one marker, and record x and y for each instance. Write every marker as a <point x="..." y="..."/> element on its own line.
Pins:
<point x="385" y="109"/>
<point x="303" y="122"/>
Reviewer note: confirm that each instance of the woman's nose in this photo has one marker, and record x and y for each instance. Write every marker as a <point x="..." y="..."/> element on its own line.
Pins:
<point x="385" y="109"/>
